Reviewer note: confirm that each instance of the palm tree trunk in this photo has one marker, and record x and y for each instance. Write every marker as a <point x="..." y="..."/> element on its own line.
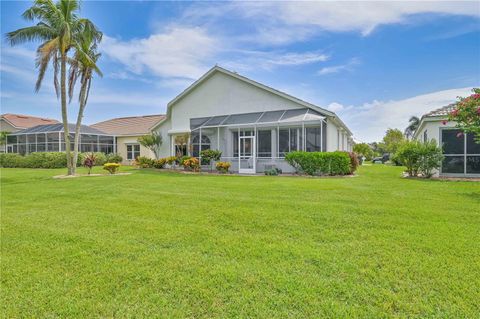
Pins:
<point x="83" y="102"/>
<point x="63" y="98"/>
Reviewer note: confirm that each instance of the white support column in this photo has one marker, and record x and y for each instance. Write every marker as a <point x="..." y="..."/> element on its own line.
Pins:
<point x="304" y="138"/>
<point x="278" y="141"/>
<point x="60" y="142"/>
<point x="239" y="152"/>
<point x="321" y="136"/>
<point x="200" y="147"/>
<point x="218" y="138"/>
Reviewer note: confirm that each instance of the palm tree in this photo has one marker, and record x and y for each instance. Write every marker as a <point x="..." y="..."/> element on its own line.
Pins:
<point x="413" y="124"/>
<point x="83" y="65"/>
<point x="58" y="30"/>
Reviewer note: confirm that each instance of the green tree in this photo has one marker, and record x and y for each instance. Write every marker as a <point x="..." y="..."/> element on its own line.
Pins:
<point x="83" y="66"/>
<point x="467" y="114"/>
<point x="413" y="124"/>
<point x="363" y="149"/>
<point x="3" y="137"/>
<point x="153" y="142"/>
<point x="57" y="29"/>
<point x="392" y="140"/>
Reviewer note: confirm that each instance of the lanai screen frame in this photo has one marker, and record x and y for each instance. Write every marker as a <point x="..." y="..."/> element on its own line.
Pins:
<point x="304" y="123"/>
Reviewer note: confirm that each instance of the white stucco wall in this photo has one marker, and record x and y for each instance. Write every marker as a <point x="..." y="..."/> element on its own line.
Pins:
<point x="123" y="141"/>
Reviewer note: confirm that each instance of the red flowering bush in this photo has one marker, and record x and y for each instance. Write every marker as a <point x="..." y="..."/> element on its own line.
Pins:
<point x="467" y="114"/>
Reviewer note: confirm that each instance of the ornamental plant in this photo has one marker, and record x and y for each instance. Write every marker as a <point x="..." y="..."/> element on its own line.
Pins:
<point x="171" y="160"/>
<point x="89" y="162"/>
<point x="144" y="162"/>
<point x="467" y="114"/>
<point x="112" y="168"/>
<point x="191" y="164"/>
<point x="223" y="167"/>
<point x="209" y="156"/>
<point x="160" y="163"/>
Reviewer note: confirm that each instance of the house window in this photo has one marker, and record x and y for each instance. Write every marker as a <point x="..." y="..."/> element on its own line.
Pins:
<point x="133" y="151"/>
<point x="425" y="137"/>
<point x="180" y="150"/>
<point x="462" y="153"/>
<point x="264" y="142"/>
<point x="205" y="144"/>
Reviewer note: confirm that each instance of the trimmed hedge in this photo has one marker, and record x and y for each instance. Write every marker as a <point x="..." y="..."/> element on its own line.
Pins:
<point x="321" y="163"/>
<point x="44" y="160"/>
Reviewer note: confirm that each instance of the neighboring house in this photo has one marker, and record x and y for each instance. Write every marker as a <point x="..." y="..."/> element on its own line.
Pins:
<point x="16" y="122"/>
<point x="462" y="154"/>
<point x="127" y="131"/>
<point x="253" y="125"/>
<point x="49" y="138"/>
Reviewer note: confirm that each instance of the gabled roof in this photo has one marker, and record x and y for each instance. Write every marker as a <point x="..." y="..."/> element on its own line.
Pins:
<point x="51" y="128"/>
<point x="25" y="121"/>
<point x="216" y="69"/>
<point x="133" y="125"/>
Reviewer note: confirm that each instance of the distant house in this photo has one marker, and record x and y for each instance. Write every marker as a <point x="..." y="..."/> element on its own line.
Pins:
<point x="127" y="131"/>
<point x="17" y="122"/>
<point x="462" y="154"/>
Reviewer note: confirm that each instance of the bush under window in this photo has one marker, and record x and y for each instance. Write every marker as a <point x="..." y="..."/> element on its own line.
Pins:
<point x="321" y="163"/>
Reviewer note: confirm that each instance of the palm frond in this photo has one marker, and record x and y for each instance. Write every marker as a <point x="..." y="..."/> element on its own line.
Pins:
<point x="34" y="33"/>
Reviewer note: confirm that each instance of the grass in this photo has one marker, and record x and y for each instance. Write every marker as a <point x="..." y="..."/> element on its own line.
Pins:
<point x="186" y="246"/>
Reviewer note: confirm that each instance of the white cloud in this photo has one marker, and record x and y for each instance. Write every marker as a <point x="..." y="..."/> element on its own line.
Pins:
<point x="335" y="107"/>
<point x="178" y="52"/>
<point x="370" y="120"/>
<point x="338" y="68"/>
<point x="281" y="22"/>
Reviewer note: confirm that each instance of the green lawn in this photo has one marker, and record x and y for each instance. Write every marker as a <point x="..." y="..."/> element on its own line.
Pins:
<point x="186" y="246"/>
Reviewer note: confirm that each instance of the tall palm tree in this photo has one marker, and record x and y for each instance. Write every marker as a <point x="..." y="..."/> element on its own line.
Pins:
<point x="57" y="29"/>
<point x="83" y="66"/>
<point x="413" y="124"/>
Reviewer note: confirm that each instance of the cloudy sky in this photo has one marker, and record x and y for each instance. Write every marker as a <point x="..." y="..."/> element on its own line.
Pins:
<point x="374" y="63"/>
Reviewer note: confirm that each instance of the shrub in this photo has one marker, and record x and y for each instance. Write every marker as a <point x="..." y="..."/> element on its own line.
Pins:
<point x="273" y="171"/>
<point x="223" y="167"/>
<point x="144" y="162"/>
<point x="89" y="161"/>
<point x="171" y="160"/>
<point x="420" y="158"/>
<point x="408" y="154"/>
<point x="112" y="168"/>
<point x="210" y="155"/>
<point x="320" y="163"/>
<point x="354" y="162"/>
<point x="430" y="158"/>
<point x="160" y="163"/>
<point x="182" y="159"/>
<point x="101" y="158"/>
<point x="192" y="164"/>
<point x="114" y="158"/>
<point x="11" y="160"/>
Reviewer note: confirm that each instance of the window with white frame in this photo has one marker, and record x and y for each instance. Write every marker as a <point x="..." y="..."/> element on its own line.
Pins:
<point x="133" y="151"/>
<point x="425" y="136"/>
<point x="462" y="153"/>
<point x="264" y="143"/>
<point x="289" y="140"/>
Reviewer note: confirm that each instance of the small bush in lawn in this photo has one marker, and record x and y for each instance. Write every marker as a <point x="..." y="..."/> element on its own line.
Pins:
<point x="89" y="161"/>
<point x="114" y="158"/>
<point x="223" y="167"/>
<point x="192" y="164"/>
<point x="354" y="162"/>
<point x="112" y="168"/>
<point x="144" y="162"/>
<point x="171" y="160"/>
<point x="408" y="154"/>
<point x="160" y="163"/>
<point x="320" y="163"/>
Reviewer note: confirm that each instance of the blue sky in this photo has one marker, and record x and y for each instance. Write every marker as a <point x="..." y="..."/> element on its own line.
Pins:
<point x="374" y="63"/>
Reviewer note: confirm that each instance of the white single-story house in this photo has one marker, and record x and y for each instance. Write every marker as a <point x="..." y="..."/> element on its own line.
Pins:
<point x="253" y="125"/>
<point x="462" y="154"/>
<point x="127" y="130"/>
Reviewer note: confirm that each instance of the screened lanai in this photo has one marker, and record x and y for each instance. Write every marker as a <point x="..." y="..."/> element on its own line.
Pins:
<point x="49" y="138"/>
<point x="255" y="141"/>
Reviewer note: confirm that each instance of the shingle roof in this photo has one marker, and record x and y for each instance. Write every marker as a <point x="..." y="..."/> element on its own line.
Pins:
<point x="443" y="111"/>
<point x="26" y="121"/>
<point x="59" y="128"/>
<point x="133" y="125"/>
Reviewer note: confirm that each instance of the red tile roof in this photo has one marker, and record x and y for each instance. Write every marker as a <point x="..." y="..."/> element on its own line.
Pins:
<point x="26" y="121"/>
<point x="134" y="125"/>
